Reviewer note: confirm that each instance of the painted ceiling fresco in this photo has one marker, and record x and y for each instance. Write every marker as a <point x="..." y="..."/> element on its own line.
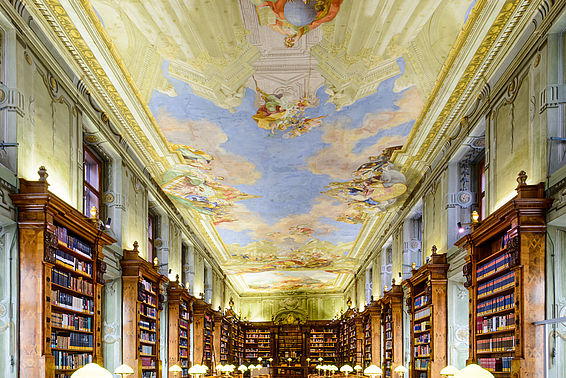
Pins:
<point x="286" y="114"/>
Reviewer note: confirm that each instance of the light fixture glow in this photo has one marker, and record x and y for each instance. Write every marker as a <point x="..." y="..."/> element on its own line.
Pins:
<point x="92" y="370"/>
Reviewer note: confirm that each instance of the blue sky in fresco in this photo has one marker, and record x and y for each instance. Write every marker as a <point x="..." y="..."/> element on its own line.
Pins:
<point x="286" y="185"/>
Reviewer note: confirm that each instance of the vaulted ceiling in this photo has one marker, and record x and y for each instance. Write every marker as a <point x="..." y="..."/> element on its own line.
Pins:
<point x="286" y="113"/>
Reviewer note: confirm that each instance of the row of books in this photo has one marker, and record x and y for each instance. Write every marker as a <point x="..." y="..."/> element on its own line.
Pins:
<point x="71" y="302"/>
<point x="147" y="361"/>
<point x="183" y="333"/>
<point x="422" y="363"/>
<point x="422" y="326"/>
<point x="389" y="344"/>
<point x="183" y="352"/>
<point x="318" y="345"/>
<point x="496" y="304"/>
<point x="147" y="349"/>
<point x="147" y="336"/>
<point x="147" y="324"/>
<point x="184" y="323"/>
<point x="421" y="301"/>
<point x="71" y="262"/>
<point x="422" y="350"/>
<point x="495" y="323"/>
<point x="72" y="242"/>
<point x="148" y="311"/>
<point x="149" y="298"/>
<point x="496" y="344"/>
<point x="500" y="364"/>
<point x="388" y="334"/>
<point x="492" y="266"/>
<point x="500" y="283"/>
<point x="71" y="340"/>
<point x="388" y="354"/>
<point x="422" y="313"/>
<point x="185" y="315"/>
<point x="183" y="342"/>
<point x="73" y="283"/>
<point x="66" y="360"/>
<point x="423" y="338"/>
<point x="149" y="374"/>
<point x="148" y="286"/>
<point x="71" y="321"/>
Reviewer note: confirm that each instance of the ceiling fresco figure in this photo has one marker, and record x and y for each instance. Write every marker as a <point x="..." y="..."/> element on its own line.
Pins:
<point x="193" y="185"/>
<point x="374" y="187"/>
<point x="281" y="114"/>
<point x="295" y="18"/>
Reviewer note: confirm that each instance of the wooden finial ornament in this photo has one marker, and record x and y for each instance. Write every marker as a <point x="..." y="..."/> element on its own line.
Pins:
<point x="522" y="178"/>
<point x="42" y="172"/>
<point x="231" y="302"/>
<point x="177" y="278"/>
<point x="434" y="250"/>
<point x="155" y="262"/>
<point x="414" y="266"/>
<point x="136" y="245"/>
<point x="93" y="213"/>
<point x="393" y="282"/>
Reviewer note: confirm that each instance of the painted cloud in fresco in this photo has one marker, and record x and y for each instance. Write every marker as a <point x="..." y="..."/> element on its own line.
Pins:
<point x="208" y="136"/>
<point x="341" y="157"/>
<point x="290" y="280"/>
<point x="265" y="256"/>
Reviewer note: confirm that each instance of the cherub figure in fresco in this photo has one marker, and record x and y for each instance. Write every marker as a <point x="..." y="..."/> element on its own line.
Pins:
<point x="279" y="114"/>
<point x="295" y="18"/>
<point x="374" y="187"/>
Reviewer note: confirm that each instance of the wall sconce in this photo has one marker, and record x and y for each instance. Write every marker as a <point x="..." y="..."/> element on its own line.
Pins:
<point x="475" y="217"/>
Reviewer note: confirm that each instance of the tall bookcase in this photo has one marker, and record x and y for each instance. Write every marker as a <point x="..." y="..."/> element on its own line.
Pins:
<point x="203" y="333"/>
<point x="231" y="338"/>
<point x="372" y="334"/>
<point x="258" y="341"/>
<point x="392" y="328"/>
<point x="505" y="275"/>
<point x="351" y="338"/>
<point x="427" y="304"/>
<point x="180" y="318"/>
<point x="141" y="306"/>
<point x="322" y="343"/>
<point x="61" y="266"/>
<point x="290" y="343"/>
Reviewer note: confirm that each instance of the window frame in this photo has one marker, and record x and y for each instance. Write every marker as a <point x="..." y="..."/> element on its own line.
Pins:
<point x="86" y="185"/>
<point x="151" y="226"/>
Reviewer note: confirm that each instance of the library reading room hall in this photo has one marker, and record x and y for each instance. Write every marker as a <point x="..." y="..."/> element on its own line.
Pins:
<point x="282" y="188"/>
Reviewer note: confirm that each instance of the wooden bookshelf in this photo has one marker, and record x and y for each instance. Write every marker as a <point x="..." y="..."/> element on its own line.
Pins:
<point x="290" y="344"/>
<point x="371" y="323"/>
<point x="505" y="275"/>
<point x="141" y="306"/>
<point x="322" y="342"/>
<point x="232" y="334"/>
<point x="258" y="339"/>
<point x="428" y="308"/>
<point x="203" y="333"/>
<point x="180" y="318"/>
<point x="61" y="264"/>
<point x="351" y="338"/>
<point x="224" y="343"/>
<point x="392" y="328"/>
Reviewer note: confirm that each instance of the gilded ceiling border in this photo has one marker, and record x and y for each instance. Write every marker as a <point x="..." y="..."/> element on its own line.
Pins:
<point x="500" y="21"/>
<point x="82" y="54"/>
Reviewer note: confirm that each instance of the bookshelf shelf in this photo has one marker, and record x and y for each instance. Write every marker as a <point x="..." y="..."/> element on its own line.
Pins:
<point x="61" y="260"/>
<point x="503" y="256"/>
<point x="142" y="303"/>
<point x="180" y="317"/>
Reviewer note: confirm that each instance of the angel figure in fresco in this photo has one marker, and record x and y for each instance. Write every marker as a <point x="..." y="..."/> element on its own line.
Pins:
<point x="195" y="186"/>
<point x="279" y="114"/>
<point x="295" y="18"/>
<point x="374" y="187"/>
